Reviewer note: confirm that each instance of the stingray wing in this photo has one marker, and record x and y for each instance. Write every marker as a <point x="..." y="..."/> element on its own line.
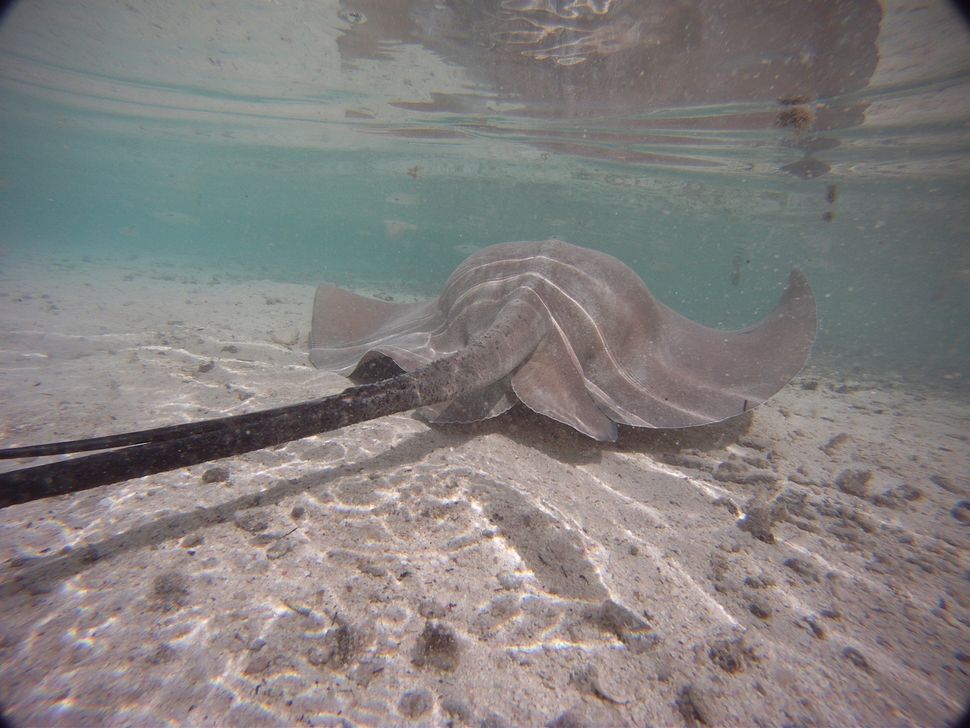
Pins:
<point x="615" y="354"/>
<point x="610" y="352"/>
<point x="688" y="374"/>
<point x="348" y="330"/>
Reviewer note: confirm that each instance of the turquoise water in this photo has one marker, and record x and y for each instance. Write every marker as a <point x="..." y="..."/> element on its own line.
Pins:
<point x="814" y="551"/>
<point x="111" y="149"/>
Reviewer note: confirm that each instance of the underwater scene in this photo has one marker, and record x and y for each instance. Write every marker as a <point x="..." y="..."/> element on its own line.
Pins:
<point x="497" y="363"/>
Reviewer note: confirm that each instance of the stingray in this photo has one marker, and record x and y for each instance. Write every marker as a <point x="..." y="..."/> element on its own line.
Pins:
<point x="572" y="333"/>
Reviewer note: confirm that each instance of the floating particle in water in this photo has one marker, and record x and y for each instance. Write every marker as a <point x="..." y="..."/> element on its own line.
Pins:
<point x="352" y="16"/>
<point x="403" y="198"/>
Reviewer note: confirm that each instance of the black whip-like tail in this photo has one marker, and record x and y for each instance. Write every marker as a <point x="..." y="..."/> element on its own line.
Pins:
<point x="166" y="448"/>
<point x="511" y="339"/>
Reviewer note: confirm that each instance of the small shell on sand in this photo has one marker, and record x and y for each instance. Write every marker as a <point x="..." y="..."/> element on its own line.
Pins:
<point x="285" y="337"/>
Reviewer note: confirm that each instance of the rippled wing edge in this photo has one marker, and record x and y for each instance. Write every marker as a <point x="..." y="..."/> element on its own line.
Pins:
<point x="702" y="375"/>
<point x="346" y="327"/>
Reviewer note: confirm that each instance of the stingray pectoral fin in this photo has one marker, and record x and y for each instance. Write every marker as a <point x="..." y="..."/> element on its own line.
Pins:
<point x="340" y="316"/>
<point x="756" y="362"/>
<point x="698" y="375"/>
<point x="345" y="326"/>
<point x="550" y="383"/>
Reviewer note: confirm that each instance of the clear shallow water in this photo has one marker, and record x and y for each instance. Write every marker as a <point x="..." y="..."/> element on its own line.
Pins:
<point x="205" y="159"/>
<point x="711" y="152"/>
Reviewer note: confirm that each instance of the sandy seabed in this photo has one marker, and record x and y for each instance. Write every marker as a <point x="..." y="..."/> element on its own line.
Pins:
<point x="805" y="565"/>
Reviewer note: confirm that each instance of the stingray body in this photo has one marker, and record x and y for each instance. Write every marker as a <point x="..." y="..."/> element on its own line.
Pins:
<point x="595" y="349"/>
<point x="572" y="333"/>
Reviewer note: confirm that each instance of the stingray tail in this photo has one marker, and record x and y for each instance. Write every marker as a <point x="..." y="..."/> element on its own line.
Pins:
<point x="156" y="450"/>
<point x="166" y="448"/>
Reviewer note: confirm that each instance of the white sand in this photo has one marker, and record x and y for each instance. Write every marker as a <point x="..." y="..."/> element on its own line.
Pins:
<point x="510" y="573"/>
